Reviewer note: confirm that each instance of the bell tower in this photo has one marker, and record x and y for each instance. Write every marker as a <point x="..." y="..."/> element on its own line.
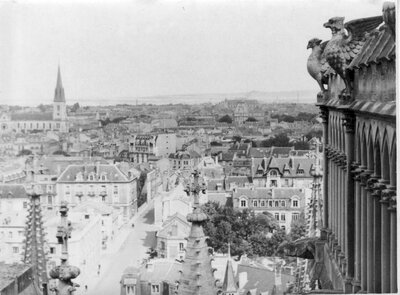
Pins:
<point x="59" y="106"/>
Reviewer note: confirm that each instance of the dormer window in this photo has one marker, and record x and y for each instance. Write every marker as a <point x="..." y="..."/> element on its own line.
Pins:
<point x="103" y="177"/>
<point x="79" y="177"/>
<point x="300" y="172"/>
<point x="91" y="177"/>
<point x="273" y="173"/>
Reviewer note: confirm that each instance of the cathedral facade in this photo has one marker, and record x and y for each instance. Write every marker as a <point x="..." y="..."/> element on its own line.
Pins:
<point x="39" y="121"/>
<point x="357" y="251"/>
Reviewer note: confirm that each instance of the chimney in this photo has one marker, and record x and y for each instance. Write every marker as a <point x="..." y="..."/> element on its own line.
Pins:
<point x="216" y="160"/>
<point x="242" y="279"/>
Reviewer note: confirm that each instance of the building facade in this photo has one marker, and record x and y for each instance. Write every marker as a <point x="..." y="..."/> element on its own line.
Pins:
<point x="358" y="246"/>
<point x="143" y="148"/>
<point x="101" y="183"/>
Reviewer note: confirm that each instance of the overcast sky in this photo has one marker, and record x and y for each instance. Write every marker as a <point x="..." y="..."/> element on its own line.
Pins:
<point x="149" y="47"/>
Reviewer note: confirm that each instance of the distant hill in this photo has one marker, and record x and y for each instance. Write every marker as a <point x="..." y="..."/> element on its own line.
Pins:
<point x="303" y="96"/>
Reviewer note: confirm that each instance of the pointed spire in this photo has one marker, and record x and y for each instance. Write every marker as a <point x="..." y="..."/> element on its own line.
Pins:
<point x="59" y="91"/>
<point x="229" y="285"/>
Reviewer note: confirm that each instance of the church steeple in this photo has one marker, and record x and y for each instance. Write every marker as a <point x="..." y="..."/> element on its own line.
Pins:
<point x="59" y="105"/>
<point x="59" y="91"/>
<point x="229" y="286"/>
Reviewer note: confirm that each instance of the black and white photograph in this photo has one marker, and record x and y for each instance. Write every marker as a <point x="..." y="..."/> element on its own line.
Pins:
<point x="198" y="147"/>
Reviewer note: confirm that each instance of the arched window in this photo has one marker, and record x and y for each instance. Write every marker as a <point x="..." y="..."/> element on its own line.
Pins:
<point x="295" y="202"/>
<point x="243" y="203"/>
<point x="103" y="177"/>
<point x="273" y="173"/>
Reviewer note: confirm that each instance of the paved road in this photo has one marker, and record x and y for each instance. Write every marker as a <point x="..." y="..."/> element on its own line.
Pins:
<point x="131" y="253"/>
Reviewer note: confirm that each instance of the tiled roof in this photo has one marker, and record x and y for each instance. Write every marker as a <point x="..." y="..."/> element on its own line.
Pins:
<point x="288" y="192"/>
<point x="292" y="165"/>
<point x="260" y="152"/>
<point x="32" y="117"/>
<point x="162" y="270"/>
<point x="12" y="191"/>
<point x="283" y="151"/>
<point x="185" y="155"/>
<point x="260" y="280"/>
<point x="112" y="173"/>
<point x="238" y="179"/>
<point x="380" y="45"/>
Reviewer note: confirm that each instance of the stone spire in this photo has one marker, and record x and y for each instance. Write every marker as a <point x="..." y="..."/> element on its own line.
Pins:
<point x="34" y="253"/>
<point x="64" y="272"/>
<point x="229" y="285"/>
<point x="59" y="91"/>
<point x="197" y="274"/>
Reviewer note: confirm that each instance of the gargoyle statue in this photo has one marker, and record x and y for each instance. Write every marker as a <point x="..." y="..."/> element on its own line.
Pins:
<point x="65" y="274"/>
<point x="347" y="41"/>
<point x="317" y="65"/>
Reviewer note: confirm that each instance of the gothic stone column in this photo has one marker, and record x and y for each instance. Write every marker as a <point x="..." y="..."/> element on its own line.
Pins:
<point x="370" y="235"/>
<point x="326" y="175"/>
<point x="349" y="123"/>
<point x="386" y="194"/>
<point x="364" y="177"/>
<point x="357" y="265"/>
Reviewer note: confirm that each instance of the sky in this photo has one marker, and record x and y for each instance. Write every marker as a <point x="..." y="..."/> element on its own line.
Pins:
<point x="121" y="49"/>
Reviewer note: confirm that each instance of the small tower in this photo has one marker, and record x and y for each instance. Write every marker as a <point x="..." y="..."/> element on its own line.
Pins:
<point x="34" y="253"/>
<point x="197" y="276"/>
<point x="59" y="105"/>
<point x="229" y="286"/>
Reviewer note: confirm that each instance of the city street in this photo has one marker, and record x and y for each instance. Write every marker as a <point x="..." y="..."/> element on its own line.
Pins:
<point x="132" y="251"/>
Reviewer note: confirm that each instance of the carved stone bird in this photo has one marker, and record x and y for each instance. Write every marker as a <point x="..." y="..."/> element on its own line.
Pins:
<point x="347" y="41"/>
<point x="317" y="65"/>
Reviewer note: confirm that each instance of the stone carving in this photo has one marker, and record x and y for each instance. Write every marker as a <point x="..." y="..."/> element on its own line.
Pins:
<point x="349" y="122"/>
<point x="64" y="272"/>
<point x="389" y="16"/>
<point x="317" y="66"/>
<point x="343" y="47"/>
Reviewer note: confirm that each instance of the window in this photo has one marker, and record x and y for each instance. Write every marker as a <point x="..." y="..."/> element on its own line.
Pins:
<point x="283" y="217"/>
<point x="262" y="203"/>
<point x="243" y="203"/>
<point x="295" y="216"/>
<point x="115" y="189"/>
<point x="270" y="203"/>
<point x="276" y="203"/>
<point x="57" y="125"/>
<point x="272" y="173"/>
<point x="25" y="205"/>
<point x="274" y="183"/>
<point x="87" y="216"/>
<point x="283" y="227"/>
<point x="277" y="216"/>
<point x="300" y="172"/>
<point x="49" y="199"/>
<point x="91" y="177"/>
<point x="103" y="177"/>
<point x="52" y="250"/>
<point x="162" y="245"/>
<point x="283" y="203"/>
<point x="255" y="203"/>
<point x="67" y="190"/>
<point x="295" y="203"/>
<point x="15" y="250"/>
<point x="181" y="246"/>
<point x="287" y="182"/>
<point x="155" y="288"/>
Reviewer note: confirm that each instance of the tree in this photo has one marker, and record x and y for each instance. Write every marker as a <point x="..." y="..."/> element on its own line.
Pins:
<point x="313" y="133"/>
<point x="301" y="145"/>
<point x="280" y="140"/>
<point x="24" y="153"/>
<point x="225" y="119"/>
<point x="251" y="119"/>
<point x="215" y="143"/>
<point x="236" y="138"/>
<point x="42" y="108"/>
<point x="75" y="107"/>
